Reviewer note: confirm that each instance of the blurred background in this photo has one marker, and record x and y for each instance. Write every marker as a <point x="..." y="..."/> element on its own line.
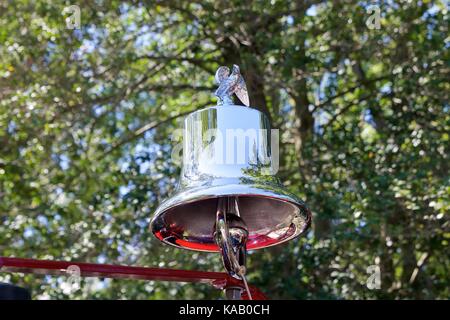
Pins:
<point x="358" y="89"/>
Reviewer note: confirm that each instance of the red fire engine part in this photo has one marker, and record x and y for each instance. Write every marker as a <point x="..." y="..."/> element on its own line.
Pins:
<point x="218" y="280"/>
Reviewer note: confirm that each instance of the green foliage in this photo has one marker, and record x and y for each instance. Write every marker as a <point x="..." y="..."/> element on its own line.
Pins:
<point x="86" y="117"/>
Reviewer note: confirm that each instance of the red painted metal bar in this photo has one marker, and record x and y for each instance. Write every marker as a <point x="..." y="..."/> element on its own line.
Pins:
<point x="219" y="280"/>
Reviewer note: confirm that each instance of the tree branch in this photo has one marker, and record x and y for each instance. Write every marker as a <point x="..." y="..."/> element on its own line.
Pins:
<point x="423" y="258"/>
<point x="150" y="126"/>
<point x="351" y="89"/>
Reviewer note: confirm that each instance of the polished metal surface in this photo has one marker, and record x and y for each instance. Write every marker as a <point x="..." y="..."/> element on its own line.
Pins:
<point x="227" y="152"/>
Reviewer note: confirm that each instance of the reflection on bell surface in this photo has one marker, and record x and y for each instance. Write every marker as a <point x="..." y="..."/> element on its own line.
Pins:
<point x="229" y="151"/>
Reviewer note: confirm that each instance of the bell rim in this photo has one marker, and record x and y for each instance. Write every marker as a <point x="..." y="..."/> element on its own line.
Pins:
<point x="210" y="193"/>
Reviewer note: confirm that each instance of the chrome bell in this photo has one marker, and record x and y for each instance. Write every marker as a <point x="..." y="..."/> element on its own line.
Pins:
<point x="230" y="158"/>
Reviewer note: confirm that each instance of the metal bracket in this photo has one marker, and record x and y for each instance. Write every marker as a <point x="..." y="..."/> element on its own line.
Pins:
<point x="218" y="280"/>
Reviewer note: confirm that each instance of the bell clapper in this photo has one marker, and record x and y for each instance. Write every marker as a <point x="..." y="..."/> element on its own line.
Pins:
<point x="231" y="234"/>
